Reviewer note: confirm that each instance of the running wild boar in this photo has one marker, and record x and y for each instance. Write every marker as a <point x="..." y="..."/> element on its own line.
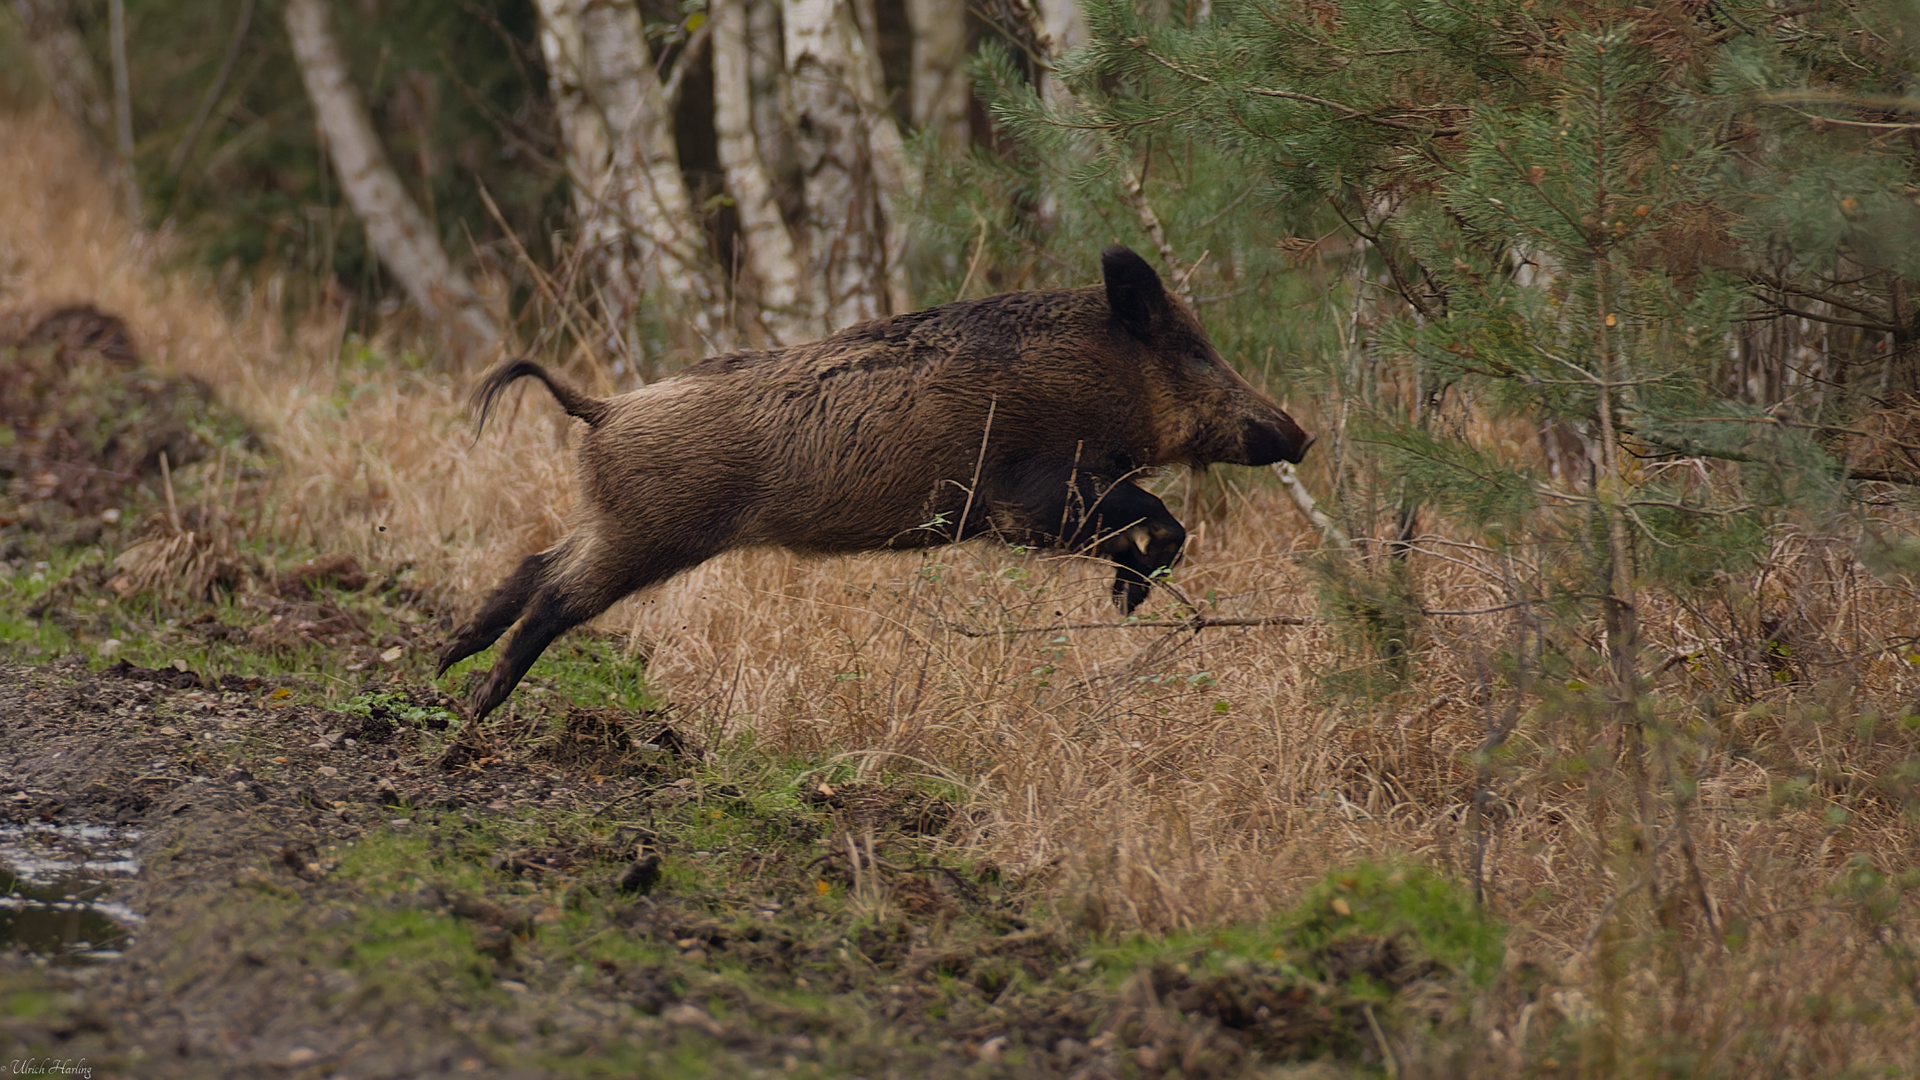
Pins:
<point x="1025" y="417"/>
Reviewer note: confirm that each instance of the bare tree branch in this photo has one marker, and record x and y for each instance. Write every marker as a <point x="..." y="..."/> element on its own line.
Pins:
<point x="1197" y="622"/>
<point x="1781" y="309"/>
<point x="214" y="89"/>
<point x="397" y="230"/>
<point x="1351" y="113"/>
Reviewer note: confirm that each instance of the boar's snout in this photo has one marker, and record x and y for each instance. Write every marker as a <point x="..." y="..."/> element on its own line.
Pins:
<point x="1274" y="439"/>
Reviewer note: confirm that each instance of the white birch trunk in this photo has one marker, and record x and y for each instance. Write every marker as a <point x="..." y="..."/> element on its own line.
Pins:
<point x="609" y="257"/>
<point x="893" y="171"/>
<point x="771" y="256"/>
<point x="635" y="214"/>
<point x="651" y="192"/>
<point x="1063" y="24"/>
<point x="1065" y="29"/>
<point x="940" y="96"/>
<point x="773" y="124"/>
<point x="397" y="230"/>
<point x="846" y="256"/>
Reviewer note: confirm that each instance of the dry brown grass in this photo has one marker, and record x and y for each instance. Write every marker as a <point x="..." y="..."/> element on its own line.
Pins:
<point x="365" y="452"/>
<point x="1178" y="779"/>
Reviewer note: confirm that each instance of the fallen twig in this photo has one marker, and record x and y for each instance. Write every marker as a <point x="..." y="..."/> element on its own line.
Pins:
<point x="1197" y="622"/>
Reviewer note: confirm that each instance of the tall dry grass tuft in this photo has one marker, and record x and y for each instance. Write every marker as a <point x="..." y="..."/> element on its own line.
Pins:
<point x="1169" y="777"/>
<point x="378" y="461"/>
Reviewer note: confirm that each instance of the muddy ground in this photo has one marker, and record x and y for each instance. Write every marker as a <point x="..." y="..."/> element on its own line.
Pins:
<point x="369" y="894"/>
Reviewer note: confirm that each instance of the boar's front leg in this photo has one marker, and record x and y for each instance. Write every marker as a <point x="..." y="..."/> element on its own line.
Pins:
<point x="1134" y="530"/>
<point x="1118" y="520"/>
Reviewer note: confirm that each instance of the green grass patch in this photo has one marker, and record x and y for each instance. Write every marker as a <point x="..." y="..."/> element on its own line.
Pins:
<point x="33" y="1002"/>
<point x="1432" y="916"/>
<point x="581" y="668"/>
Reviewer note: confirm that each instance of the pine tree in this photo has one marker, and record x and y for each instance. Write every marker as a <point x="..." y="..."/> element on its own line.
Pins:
<point x="1639" y="290"/>
<point x="1570" y="205"/>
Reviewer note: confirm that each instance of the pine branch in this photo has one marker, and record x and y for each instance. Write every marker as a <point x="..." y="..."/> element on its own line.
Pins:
<point x="1704" y="511"/>
<point x="1822" y="123"/>
<point x="1175" y="68"/>
<point x="1863" y="102"/>
<point x="1348" y="112"/>
<point x="1776" y="421"/>
<point x="1400" y="284"/>
<point x="1881" y="477"/>
<point x="1565" y="214"/>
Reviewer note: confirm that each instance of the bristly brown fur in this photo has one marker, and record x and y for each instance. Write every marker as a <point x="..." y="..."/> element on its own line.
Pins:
<point x="1024" y="416"/>
<point x="591" y="409"/>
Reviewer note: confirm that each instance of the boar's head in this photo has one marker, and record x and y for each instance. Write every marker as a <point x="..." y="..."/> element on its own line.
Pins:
<point x="1203" y="411"/>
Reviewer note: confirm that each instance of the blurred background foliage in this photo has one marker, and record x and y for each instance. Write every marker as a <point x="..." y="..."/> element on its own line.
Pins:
<point x="456" y="91"/>
<point x="1374" y="206"/>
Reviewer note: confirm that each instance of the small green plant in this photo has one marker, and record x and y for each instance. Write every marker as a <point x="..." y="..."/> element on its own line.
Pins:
<point x="397" y="707"/>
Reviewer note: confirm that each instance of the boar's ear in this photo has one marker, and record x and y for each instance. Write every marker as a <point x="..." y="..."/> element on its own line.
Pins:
<point x="1134" y="292"/>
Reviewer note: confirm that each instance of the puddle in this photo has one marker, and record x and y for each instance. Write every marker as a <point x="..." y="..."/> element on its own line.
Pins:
<point x="56" y="883"/>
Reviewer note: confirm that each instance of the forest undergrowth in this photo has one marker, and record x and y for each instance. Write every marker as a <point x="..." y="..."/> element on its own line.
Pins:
<point x="1728" y="897"/>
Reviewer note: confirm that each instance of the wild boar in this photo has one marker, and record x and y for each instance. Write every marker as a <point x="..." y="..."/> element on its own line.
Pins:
<point x="1025" y="416"/>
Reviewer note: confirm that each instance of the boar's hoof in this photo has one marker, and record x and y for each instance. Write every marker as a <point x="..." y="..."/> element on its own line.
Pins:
<point x="1139" y="554"/>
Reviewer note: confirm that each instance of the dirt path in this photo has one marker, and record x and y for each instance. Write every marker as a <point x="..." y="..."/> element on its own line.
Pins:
<point x="232" y="795"/>
<point x="369" y="891"/>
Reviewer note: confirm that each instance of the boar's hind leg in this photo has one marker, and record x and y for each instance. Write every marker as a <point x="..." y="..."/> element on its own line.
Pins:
<point x="501" y="610"/>
<point x="1122" y="523"/>
<point x="577" y="588"/>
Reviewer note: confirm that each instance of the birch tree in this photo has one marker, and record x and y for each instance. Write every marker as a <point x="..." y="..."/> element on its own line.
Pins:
<point x="650" y="190"/>
<point x="800" y="110"/>
<point x="896" y="180"/>
<point x="635" y="209"/>
<point x="396" y="229"/>
<point x="941" y="97"/>
<point x="772" y="98"/>
<point x="771" y="255"/>
<point x="606" y="251"/>
<point x="1065" y="29"/>
<point x="845" y="254"/>
<point x="853" y="163"/>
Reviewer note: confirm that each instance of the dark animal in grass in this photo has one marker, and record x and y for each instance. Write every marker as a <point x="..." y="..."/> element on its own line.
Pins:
<point x="640" y="876"/>
<point x="1023" y="416"/>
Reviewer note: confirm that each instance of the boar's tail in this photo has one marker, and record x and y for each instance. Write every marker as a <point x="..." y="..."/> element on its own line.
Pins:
<point x="592" y="410"/>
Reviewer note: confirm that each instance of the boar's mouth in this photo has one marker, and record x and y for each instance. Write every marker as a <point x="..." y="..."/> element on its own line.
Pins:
<point x="1268" y="441"/>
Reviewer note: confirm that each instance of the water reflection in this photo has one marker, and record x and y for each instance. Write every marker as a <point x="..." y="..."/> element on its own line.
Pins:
<point x="56" y="884"/>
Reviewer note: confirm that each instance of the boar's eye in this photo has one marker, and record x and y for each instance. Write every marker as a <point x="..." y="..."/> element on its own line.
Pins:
<point x="1199" y="360"/>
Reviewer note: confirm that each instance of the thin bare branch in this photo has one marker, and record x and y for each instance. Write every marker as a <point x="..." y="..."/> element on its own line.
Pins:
<point x="214" y="89"/>
<point x="1351" y="113"/>
<point x="1197" y="622"/>
<point x="1784" y="310"/>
